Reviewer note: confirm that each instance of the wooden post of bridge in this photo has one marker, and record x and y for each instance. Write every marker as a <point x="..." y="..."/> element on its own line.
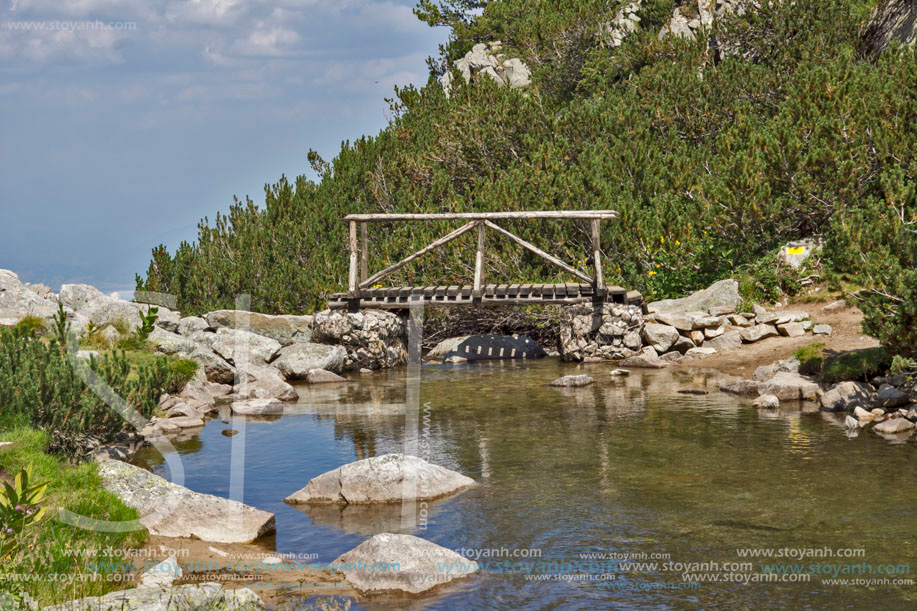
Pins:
<point x="599" y="280"/>
<point x="364" y="252"/>
<point x="476" y="292"/>
<point x="353" y="260"/>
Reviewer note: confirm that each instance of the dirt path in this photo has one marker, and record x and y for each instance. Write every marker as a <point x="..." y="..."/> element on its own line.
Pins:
<point x="847" y="335"/>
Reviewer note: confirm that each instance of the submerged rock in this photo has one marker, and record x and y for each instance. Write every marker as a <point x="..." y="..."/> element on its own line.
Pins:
<point x="257" y="407"/>
<point x="381" y="480"/>
<point x="895" y="425"/>
<point x="171" y="510"/>
<point x="580" y="380"/>
<point x="417" y="565"/>
<point x="320" y="376"/>
<point x="210" y="595"/>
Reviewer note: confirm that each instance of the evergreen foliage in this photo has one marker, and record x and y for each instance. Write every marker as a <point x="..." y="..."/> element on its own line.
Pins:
<point x="712" y="162"/>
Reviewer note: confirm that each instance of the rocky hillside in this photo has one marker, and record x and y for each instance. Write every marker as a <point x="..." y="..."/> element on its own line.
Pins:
<point x="718" y="129"/>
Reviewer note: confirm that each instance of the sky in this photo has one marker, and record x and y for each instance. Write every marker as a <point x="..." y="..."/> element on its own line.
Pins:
<point x="124" y="122"/>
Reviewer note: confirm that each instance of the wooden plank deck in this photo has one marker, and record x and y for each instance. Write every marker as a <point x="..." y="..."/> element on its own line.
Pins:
<point x="492" y="294"/>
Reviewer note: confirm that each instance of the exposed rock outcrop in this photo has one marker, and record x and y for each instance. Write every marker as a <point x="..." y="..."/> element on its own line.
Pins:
<point x="487" y="59"/>
<point x="891" y="20"/>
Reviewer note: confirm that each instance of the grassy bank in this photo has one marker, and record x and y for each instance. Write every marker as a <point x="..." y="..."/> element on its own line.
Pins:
<point x="47" y="412"/>
<point x="52" y="548"/>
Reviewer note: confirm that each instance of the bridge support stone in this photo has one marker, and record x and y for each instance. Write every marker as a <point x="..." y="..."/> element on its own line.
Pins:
<point x="374" y="339"/>
<point x="604" y="331"/>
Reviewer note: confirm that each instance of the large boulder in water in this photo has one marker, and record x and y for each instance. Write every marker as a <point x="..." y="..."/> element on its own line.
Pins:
<point x="209" y="595"/>
<point x="295" y="361"/>
<point x="487" y="347"/>
<point x="416" y="565"/>
<point x="171" y="510"/>
<point x="390" y="478"/>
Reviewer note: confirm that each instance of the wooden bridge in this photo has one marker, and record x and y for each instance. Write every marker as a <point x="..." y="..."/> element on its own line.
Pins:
<point x="362" y="294"/>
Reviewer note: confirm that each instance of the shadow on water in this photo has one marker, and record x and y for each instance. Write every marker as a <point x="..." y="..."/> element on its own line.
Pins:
<point x="626" y="466"/>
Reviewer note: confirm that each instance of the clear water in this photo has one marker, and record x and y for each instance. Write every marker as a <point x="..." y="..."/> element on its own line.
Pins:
<point x="627" y="465"/>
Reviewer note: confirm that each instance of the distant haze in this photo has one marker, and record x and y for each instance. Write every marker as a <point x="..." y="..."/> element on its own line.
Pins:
<point x="124" y="122"/>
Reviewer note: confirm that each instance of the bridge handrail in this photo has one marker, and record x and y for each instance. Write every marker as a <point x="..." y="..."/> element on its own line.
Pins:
<point x="484" y="216"/>
<point x="359" y="277"/>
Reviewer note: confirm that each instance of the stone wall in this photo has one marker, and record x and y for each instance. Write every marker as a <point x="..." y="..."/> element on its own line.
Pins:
<point x="588" y="332"/>
<point x="373" y="339"/>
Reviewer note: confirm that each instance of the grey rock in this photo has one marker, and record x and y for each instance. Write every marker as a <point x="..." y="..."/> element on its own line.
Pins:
<point x="295" y="361"/>
<point x="191" y="324"/>
<point x="822" y="329"/>
<point x="320" y="376"/>
<point x="237" y="346"/>
<point x="680" y="320"/>
<point x="17" y="301"/>
<point x="766" y="372"/>
<point x="796" y="252"/>
<point x="740" y="321"/>
<point x="743" y="387"/>
<point x="713" y="332"/>
<point x="580" y="380"/>
<point x="215" y="368"/>
<point x="285" y="329"/>
<point x="257" y="407"/>
<point x="185" y="422"/>
<point x="890" y="20"/>
<point x="766" y="402"/>
<point x="171" y="510"/>
<point x="889" y="397"/>
<point x="660" y="337"/>
<point x="727" y="341"/>
<point x="791" y="329"/>
<point x="183" y="409"/>
<point x="722" y="310"/>
<point x="846" y="397"/>
<point x="671" y="357"/>
<point x="422" y="565"/>
<point x="209" y="595"/>
<point x="697" y="337"/>
<point x="862" y="415"/>
<point x="834" y="305"/>
<point x="381" y="480"/>
<point x="722" y="293"/>
<point x="372" y="338"/>
<point x="683" y="344"/>
<point x="790" y="386"/>
<point x="265" y="378"/>
<point x="757" y="333"/>
<point x="851" y="423"/>
<point x="161" y="575"/>
<point x="620" y="372"/>
<point x="895" y="425"/>
<point x="170" y="343"/>
<point x="700" y="352"/>
<point x="645" y="361"/>
<point x="607" y="332"/>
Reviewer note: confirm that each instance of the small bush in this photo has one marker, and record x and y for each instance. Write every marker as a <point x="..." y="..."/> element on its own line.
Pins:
<point x="40" y="387"/>
<point x="859" y="365"/>
<point x="33" y="324"/>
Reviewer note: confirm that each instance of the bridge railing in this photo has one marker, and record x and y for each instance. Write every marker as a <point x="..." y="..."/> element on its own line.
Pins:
<point x="359" y="277"/>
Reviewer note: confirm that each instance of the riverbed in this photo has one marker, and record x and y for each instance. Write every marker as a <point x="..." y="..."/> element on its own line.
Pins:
<point x="582" y="490"/>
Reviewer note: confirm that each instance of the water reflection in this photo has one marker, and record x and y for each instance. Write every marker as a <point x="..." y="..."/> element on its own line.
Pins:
<point x="626" y="464"/>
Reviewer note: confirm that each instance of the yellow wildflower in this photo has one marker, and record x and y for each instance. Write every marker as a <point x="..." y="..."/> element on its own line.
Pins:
<point x="652" y="273"/>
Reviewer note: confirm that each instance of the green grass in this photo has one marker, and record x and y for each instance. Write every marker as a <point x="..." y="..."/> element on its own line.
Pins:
<point x="832" y="368"/>
<point x="54" y="547"/>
